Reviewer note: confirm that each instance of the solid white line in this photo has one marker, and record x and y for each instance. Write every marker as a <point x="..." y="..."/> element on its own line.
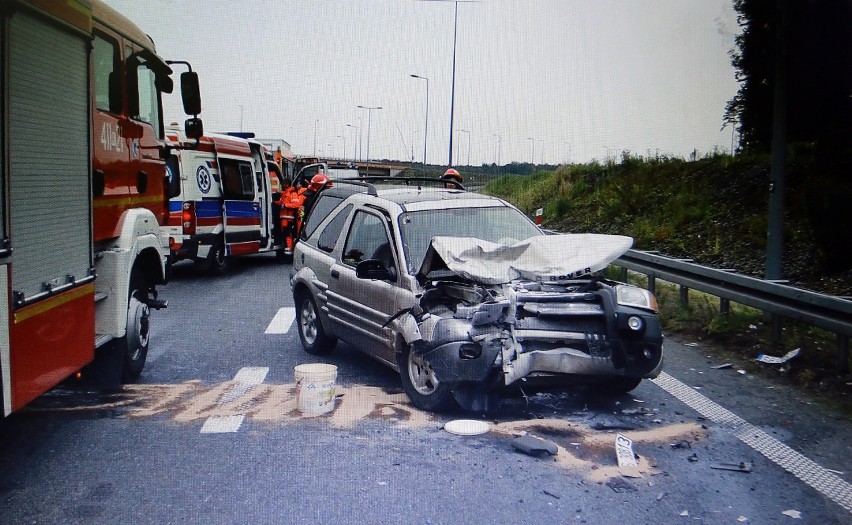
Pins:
<point x="282" y="321"/>
<point x="246" y="378"/>
<point x="820" y="478"/>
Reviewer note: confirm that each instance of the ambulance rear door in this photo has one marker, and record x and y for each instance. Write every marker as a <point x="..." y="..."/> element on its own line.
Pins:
<point x="243" y="215"/>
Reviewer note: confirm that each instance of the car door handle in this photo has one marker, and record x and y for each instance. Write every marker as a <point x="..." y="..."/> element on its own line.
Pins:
<point x="335" y="274"/>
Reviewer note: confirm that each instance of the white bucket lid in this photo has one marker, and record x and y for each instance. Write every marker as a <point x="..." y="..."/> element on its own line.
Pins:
<point x="467" y="427"/>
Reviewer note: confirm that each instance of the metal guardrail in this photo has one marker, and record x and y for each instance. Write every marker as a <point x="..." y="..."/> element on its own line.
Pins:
<point x="825" y="311"/>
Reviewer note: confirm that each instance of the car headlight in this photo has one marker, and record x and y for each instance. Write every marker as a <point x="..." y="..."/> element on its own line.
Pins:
<point x="634" y="296"/>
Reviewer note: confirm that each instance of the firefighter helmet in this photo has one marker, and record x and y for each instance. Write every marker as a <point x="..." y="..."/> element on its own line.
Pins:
<point x="452" y="174"/>
<point x="318" y="181"/>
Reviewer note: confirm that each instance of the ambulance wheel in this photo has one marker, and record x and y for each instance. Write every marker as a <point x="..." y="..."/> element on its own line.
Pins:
<point x="220" y="263"/>
<point x="134" y="345"/>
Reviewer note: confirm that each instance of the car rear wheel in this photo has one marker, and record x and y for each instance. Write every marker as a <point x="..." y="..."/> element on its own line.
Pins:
<point x="419" y="381"/>
<point x="314" y="339"/>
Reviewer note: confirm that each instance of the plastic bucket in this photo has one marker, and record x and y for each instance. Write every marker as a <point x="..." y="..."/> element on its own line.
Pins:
<point x="315" y="388"/>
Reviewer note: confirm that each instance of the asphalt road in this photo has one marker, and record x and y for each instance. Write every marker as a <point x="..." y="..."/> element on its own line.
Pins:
<point x="211" y="434"/>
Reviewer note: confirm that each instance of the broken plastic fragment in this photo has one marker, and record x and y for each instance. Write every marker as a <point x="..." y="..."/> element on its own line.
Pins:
<point x="795" y="514"/>
<point x="772" y="360"/>
<point x="534" y="446"/>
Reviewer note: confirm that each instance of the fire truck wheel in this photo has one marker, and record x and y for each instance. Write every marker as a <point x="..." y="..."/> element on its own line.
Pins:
<point x="220" y="263"/>
<point x="134" y="345"/>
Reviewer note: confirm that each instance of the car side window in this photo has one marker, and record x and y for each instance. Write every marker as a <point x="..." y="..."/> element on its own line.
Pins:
<point x="367" y="239"/>
<point x="320" y="210"/>
<point x="331" y="232"/>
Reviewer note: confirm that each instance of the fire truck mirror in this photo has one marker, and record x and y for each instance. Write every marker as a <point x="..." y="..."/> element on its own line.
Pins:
<point x="190" y="93"/>
<point x="194" y="128"/>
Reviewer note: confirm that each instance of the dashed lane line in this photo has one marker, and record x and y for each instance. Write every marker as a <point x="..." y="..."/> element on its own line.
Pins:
<point x="282" y="321"/>
<point x="818" y="477"/>
<point x="246" y="378"/>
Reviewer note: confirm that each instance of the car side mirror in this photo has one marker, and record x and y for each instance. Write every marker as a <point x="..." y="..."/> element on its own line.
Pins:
<point x="372" y="269"/>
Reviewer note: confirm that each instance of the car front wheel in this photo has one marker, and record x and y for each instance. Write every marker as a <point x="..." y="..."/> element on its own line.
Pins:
<point x="616" y="386"/>
<point x="421" y="383"/>
<point x="314" y="339"/>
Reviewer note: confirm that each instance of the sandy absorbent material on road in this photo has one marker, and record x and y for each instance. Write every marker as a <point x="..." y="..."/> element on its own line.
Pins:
<point x="580" y="448"/>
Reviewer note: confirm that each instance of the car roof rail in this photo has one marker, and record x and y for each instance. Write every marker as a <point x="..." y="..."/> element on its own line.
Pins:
<point x="369" y="188"/>
<point x="408" y="181"/>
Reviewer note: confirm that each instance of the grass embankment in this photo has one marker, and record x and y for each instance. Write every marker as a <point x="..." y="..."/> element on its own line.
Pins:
<point x="712" y="210"/>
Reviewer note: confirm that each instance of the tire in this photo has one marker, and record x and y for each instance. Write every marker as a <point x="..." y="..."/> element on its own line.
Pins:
<point x="314" y="339"/>
<point x="220" y="263"/>
<point x="421" y="385"/>
<point x="616" y="386"/>
<point x="133" y="347"/>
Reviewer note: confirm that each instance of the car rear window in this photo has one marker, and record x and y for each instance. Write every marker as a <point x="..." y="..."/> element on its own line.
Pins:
<point x="322" y="208"/>
<point x="330" y="234"/>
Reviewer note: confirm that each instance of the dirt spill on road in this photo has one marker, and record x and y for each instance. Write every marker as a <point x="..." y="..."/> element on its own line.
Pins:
<point x="191" y="401"/>
<point x="573" y="440"/>
<point x="581" y="448"/>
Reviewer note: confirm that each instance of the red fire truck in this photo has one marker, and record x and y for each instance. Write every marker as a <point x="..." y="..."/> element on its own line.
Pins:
<point x="82" y="198"/>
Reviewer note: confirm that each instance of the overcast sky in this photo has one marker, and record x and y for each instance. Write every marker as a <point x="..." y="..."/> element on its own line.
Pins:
<point x="556" y="80"/>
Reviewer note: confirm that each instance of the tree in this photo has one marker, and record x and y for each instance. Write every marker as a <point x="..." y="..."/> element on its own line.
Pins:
<point x="809" y="40"/>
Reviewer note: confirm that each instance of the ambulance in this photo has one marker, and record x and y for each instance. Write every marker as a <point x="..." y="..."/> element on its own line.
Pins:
<point x="223" y="202"/>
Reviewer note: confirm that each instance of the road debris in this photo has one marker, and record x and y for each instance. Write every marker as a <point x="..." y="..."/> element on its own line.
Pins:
<point x="627" y="464"/>
<point x="772" y="360"/>
<point x="551" y="494"/>
<point x="742" y="519"/>
<point x="467" y="427"/>
<point x="690" y="344"/>
<point x="534" y="446"/>
<point x="681" y="444"/>
<point x="693" y="458"/>
<point x="742" y="466"/>
<point x="685" y="513"/>
<point x="660" y="496"/>
<point x="724" y="365"/>
<point x="620" y="485"/>
<point x="741" y="372"/>
<point x="795" y="514"/>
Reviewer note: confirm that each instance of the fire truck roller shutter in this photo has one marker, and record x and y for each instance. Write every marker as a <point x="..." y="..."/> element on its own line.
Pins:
<point x="49" y="157"/>
<point x="47" y="119"/>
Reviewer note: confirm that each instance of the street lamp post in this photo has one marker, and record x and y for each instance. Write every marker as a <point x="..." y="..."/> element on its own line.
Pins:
<point x="315" y="136"/>
<point x="426" y="130"/>
<point x="468" y="144"/>
<point x="542" y="150"/>
<point x="497" y="152"/>
<point x="369" y="122"/>
<point x="343" y="155"/>
<point x="355" y="142"/>
<point x="532" y="154"/>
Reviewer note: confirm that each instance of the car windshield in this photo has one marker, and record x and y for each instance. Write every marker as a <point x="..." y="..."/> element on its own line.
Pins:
<point x="499" y="224"/>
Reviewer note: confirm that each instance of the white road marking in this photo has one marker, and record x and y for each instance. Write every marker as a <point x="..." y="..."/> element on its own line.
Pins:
<point x="282" y="321"/>
<point x="820" y="478"/>
<point x="222" y="424"/>
<point x="245" y="379"/>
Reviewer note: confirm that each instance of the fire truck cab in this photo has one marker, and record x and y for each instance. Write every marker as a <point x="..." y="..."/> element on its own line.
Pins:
<point x="223" y="200"/>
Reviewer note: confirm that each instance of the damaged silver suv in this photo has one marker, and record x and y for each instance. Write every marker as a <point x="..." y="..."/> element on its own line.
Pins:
<point x="466" y="297"/>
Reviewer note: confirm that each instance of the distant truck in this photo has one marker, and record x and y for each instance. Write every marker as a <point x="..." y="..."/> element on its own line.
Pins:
<point x="82" y="160"/>
<point x="223" y="201"/>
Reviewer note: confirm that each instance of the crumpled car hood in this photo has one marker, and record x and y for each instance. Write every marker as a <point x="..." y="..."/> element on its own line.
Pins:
<point x="540" y="258"/>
